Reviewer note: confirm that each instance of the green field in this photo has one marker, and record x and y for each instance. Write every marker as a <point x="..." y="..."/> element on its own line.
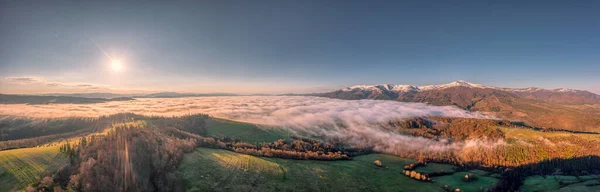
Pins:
<point x="221" y="170"/>
<point x="435" y="168"/>
<point x="481" y="183"/>
<point x="22" y="167"/>
<point x="244" y="131"/>
<point x="561" y="183"/>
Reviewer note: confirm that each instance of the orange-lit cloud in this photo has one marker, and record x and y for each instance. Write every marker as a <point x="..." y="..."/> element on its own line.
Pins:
<point x="356" y="121"/>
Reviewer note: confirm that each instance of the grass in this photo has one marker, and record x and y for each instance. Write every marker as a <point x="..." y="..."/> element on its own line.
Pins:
<point x="561" y="183"/>
<point x="244" y="131"/>
<point x="456" y="180"/>
<point x="22" y="167"/>
<point x="435" y="168"/>
<point x="221" y="170"/>
<point x="531" y="135"/>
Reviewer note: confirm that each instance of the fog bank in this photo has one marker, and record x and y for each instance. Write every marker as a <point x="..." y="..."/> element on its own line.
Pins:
<point x="355" y="121"/>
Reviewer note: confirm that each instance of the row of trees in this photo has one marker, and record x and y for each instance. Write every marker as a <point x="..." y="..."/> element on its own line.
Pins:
<point x="38" y="141"/>
<point x="297" y="148"/>
<point x="416" y="175"/>
<point x="290" y="154"/>
<point x="300" y="149"/>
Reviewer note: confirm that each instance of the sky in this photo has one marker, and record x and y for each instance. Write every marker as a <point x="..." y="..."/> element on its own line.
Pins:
<point x="295" y="46"/>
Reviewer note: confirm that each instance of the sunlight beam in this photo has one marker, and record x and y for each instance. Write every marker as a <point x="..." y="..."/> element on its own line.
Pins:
<point x="100" y="48"/>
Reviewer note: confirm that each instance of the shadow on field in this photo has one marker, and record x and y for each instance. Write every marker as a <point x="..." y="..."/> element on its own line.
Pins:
<point x="513" y="178"/>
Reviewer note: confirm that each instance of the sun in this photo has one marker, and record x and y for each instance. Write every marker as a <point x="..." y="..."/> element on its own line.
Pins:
<point x="116" y="65"/>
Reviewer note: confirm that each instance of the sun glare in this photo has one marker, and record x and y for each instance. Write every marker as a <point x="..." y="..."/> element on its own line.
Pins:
<point x="116" y="65"/>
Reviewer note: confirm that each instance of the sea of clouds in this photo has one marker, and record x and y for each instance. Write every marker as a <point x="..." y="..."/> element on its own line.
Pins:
<point x="357" y="122"/>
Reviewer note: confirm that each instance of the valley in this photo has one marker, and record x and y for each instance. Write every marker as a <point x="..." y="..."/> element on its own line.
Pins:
<point x="487" y="140"/>
<point x="212" y="154"/>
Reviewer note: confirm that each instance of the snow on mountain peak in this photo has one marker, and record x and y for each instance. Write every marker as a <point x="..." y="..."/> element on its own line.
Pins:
<point x="459" y="83"/>
<point x="384" y="87"/>
<point x="564" y="90"/>
<point x="528" y="89"/>
<point x="453" y="84"/>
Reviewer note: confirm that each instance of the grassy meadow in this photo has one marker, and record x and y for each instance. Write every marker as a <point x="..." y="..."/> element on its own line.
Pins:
<point x="221" y="170"/>
<point x="482" y="182"/>
<point x="244" y="131"/>
<point x="22" y="167"/>
<point x="561" y="183"/>
<point x="435" y="168"/>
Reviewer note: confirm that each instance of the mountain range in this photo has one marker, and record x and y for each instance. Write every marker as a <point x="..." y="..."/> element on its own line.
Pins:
<point x="569" y="109"/>
<point x="403" y="92"/>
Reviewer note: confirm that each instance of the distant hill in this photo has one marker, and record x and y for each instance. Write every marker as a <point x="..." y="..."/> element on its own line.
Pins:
<point x="300" y="94"/>
<point x="556" y="108"/>
<point x="175" y="94"/>
<point x="35" y="99"/>
<point x="93" y="95"/>
<point x="565" y="96"/>
<point x="138" y="95"/>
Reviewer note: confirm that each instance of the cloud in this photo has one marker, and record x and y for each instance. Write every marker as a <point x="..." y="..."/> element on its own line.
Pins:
<point x="23" y="80"/>
<point x="53" y="84"/>
<point x="357" y="122"/>
<point x="34" y="82"/>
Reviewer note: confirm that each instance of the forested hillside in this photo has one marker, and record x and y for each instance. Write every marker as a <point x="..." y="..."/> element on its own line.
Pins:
<point x="532" y="108"/>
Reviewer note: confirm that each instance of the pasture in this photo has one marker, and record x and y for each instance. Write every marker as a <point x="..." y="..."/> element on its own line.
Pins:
<point x="435" y="168"/>
<point x="561" y="183"/>
<point x="482" y="180"/>
<point x="22" y="167"/>
<point x="221" y="170"/>
<point x="244" y="131"/>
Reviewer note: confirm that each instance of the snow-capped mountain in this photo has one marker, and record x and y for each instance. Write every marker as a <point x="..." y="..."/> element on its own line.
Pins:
<point x="410" y="88"/>
<point x="460" y="83"/>
<point x="391" y="91"/>
<point x="384" y="87"/>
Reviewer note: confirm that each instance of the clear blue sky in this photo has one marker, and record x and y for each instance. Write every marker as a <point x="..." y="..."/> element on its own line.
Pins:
<point x="296" y="46"/>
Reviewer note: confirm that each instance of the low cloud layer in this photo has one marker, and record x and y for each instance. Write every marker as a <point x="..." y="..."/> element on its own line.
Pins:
<point x="355" y="121"/>
<point x="270" y="110"/>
